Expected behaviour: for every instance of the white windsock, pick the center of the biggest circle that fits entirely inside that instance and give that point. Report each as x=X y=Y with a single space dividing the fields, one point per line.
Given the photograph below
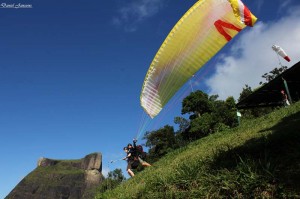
x=281 y=52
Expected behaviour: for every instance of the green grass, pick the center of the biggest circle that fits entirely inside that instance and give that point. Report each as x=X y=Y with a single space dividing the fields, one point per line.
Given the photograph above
x=258 y=159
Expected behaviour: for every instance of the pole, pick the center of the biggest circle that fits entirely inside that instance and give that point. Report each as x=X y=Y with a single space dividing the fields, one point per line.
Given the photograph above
x=287 y=90
x=239 y=115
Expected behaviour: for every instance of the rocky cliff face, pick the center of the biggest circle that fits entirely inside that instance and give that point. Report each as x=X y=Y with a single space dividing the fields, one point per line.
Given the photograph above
x=61 y=179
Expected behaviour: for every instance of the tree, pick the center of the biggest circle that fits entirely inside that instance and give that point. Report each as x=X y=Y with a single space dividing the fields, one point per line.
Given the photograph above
x=182 y=136
x=230 y=117
x=114 y=178
x=230 y=103
x=245 y=92
x=202 y=126
x=272 y=74
x=160 y=142
x=183 y=124
x=213 y=114
x=196 y=104
x=253 y=112
x=116 y=175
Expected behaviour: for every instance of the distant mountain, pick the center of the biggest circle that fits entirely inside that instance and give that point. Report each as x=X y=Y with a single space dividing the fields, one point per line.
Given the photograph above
x=61 y=179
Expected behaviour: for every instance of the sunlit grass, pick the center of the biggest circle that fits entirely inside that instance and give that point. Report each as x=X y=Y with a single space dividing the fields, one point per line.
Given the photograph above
x=258 y=159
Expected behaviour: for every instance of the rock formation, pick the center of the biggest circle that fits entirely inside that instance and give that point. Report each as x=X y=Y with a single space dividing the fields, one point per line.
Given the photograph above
x=61 y=179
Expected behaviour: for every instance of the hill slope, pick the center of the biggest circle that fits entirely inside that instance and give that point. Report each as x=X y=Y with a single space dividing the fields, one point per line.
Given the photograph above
x=258 y=159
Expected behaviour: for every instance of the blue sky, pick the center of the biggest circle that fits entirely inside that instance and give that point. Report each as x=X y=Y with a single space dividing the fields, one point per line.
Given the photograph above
x=71 y=73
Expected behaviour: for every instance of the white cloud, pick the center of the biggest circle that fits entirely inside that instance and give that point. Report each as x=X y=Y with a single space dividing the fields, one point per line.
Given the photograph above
x=255 y=56
x=134 y=13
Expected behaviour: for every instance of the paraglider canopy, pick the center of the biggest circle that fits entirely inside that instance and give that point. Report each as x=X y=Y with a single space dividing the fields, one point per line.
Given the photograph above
x=203 y=30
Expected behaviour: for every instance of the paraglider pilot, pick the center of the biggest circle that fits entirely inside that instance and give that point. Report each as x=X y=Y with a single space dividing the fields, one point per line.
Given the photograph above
x=133 y=158
x=285 y=98
x=130 y=161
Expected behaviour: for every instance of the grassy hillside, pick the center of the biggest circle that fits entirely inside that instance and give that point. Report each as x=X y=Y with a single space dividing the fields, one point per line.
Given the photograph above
x=258 y=159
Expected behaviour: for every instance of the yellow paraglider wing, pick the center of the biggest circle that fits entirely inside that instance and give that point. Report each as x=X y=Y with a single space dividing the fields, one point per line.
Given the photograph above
x=203 y=30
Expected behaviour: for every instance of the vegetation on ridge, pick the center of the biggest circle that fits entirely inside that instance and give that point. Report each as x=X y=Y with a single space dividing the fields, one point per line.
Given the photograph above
x=258 y=159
